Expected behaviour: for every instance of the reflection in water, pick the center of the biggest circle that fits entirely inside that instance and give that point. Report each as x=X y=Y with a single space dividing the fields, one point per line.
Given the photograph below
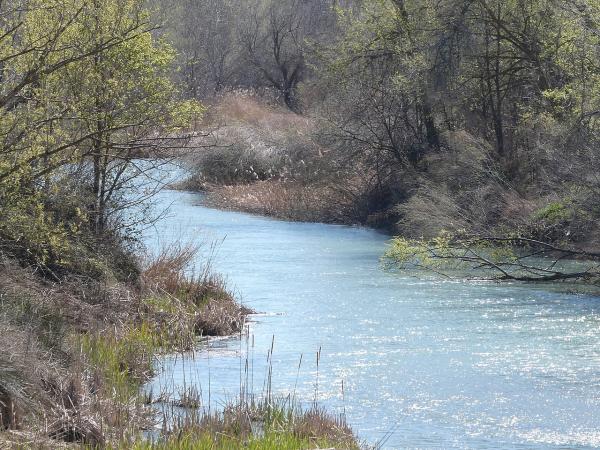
x=440 y=364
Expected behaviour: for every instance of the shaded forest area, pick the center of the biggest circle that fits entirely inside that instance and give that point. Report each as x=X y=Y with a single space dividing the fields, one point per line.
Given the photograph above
x=457 y=117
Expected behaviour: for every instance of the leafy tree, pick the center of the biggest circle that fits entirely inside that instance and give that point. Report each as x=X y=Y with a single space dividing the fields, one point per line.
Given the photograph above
x=83 y=83
x=125 y=100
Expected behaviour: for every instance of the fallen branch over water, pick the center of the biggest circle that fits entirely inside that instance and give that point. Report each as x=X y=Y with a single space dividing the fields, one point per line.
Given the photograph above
x=495 y=258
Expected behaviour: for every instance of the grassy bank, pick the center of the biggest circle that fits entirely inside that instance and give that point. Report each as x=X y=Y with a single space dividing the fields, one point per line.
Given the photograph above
x=87 y=90
x=76 y=351
x=266 y=424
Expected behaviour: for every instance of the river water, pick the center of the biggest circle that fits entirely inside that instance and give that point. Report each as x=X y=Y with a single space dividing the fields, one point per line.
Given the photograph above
x=424 y=363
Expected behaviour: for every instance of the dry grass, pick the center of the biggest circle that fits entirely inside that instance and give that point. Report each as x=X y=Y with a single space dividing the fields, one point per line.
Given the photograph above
x=198 y=302
x=286 y=200
x=75 y=352
x=44 y=399
x=166 y=271
x=21 y=393
x=316 y=423
x=49 y=388
x=256 y=110
x=247 y=138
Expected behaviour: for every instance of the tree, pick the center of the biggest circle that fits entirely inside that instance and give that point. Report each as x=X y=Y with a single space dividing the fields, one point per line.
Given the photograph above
x=38 y=43
x=204 y=32
x=379 y=98
x=83 y=84
x=124 y=99
x=274 y=38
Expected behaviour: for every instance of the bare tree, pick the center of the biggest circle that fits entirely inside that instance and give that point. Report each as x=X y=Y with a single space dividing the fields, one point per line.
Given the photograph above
x=274 y=38
x=205 y=35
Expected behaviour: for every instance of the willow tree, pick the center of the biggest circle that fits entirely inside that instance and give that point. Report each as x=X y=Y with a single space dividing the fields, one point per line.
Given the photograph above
x=503 y=258
x=39 y=133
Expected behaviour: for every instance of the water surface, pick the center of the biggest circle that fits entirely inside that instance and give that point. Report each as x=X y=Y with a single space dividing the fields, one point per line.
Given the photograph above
x=424 y=363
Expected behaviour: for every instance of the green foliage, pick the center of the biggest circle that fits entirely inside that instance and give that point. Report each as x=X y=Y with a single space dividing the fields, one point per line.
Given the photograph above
x=266 y=424
x=84 y=84
x=435 y=254
x=450 y=254
x=124 y=361
x=206 y=441
x=553 y=213
x=492 y=258
x=30 y=232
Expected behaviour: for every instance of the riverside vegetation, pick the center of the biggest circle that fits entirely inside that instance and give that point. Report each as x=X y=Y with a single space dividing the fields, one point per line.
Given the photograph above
x=86 y=90
x=468 y=128
x=472 y=124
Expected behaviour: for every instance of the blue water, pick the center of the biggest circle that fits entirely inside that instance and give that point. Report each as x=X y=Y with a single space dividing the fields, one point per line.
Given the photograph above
x=424 y=363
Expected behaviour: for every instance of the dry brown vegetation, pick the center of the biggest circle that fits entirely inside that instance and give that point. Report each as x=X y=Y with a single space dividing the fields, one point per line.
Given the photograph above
x=202 y=299
x=286 y=200
x=257 y=109
x=247 y=138
x=74 y=351
x=261 y=158
x=44 y=377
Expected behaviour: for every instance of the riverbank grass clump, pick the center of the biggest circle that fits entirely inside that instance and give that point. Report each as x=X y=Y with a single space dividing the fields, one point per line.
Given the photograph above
x=288 y=200
x=200 y=301
x=250 y=424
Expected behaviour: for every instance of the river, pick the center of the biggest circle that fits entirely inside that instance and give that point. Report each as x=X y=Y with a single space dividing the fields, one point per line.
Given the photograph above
x=425 y=363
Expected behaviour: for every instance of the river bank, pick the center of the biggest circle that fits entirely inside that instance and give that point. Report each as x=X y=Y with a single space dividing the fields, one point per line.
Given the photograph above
x=257 y=157
x=77 y=350
x=292 y=200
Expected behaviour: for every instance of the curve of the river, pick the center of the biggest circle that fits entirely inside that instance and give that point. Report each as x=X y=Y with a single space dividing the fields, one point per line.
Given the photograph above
x=424 y=363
